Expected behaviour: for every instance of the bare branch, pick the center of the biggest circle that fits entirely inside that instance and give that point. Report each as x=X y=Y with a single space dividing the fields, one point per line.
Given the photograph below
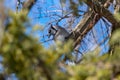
x=47 y=40
x=86 y=23
x=105 y=13
x=28 y=4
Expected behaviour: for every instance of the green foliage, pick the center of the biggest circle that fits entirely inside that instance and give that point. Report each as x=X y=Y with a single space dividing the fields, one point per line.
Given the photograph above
x=115 y=37
x=24 y=55
x=117 y=16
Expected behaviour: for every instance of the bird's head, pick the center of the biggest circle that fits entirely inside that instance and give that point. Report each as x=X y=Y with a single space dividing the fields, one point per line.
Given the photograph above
x=52 y=31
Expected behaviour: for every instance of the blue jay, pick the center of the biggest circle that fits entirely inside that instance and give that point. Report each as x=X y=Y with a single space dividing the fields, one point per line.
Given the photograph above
x=59 y=33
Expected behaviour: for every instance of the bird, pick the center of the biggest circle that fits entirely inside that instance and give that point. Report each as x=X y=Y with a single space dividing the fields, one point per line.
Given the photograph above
x=59 y=33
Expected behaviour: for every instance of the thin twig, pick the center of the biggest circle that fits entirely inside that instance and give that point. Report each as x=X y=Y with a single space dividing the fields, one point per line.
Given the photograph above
x=47 y=41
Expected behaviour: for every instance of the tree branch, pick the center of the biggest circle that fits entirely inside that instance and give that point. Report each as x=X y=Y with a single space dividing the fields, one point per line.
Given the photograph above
x=89 y=21
x=101 y=10
x=28 y=4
